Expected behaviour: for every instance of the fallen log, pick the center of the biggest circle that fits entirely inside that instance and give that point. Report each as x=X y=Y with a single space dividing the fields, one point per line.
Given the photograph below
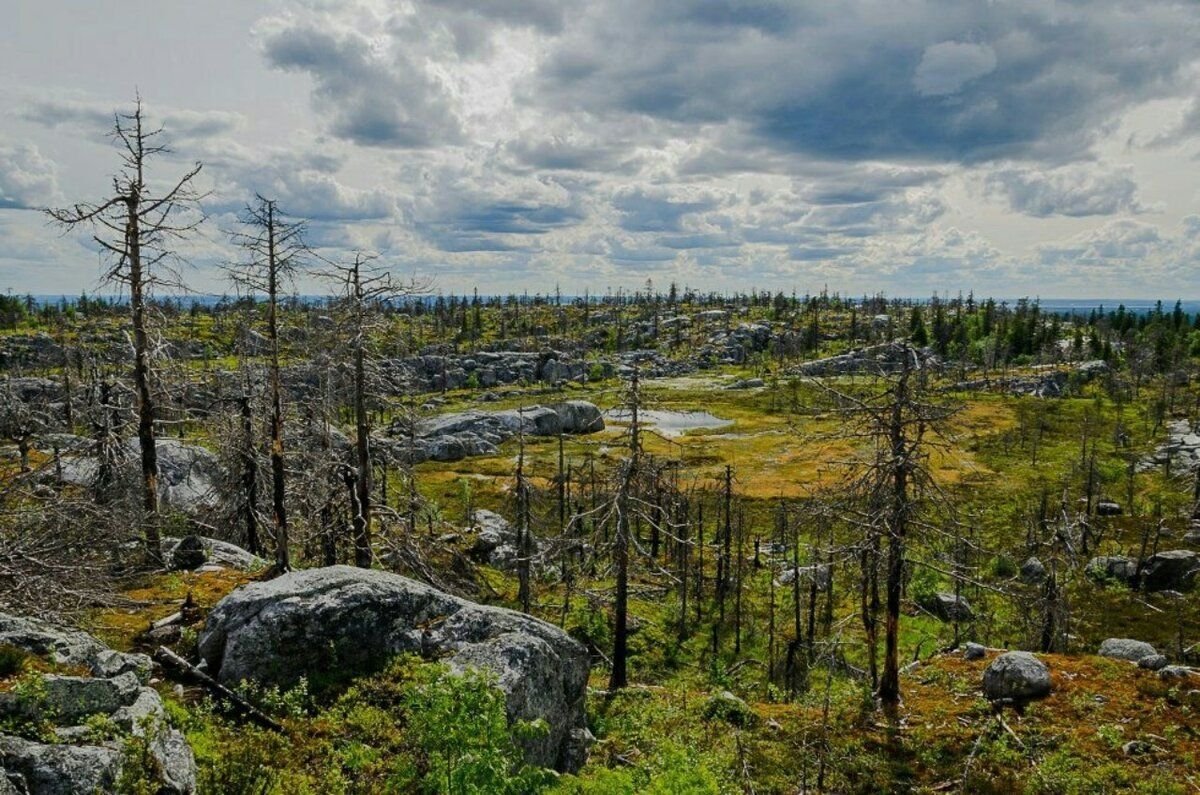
x=172 y=661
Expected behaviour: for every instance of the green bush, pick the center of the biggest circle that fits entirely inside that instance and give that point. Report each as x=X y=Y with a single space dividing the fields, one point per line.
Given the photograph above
x=12 y=660
x=1003 y=567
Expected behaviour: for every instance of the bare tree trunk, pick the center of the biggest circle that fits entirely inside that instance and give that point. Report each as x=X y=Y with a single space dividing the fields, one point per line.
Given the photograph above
x=249 y=476
x=362 y=447
x=889 y=685
x=278 y=504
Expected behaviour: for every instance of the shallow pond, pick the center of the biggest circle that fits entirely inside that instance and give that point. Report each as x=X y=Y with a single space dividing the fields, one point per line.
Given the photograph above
x=671 y=423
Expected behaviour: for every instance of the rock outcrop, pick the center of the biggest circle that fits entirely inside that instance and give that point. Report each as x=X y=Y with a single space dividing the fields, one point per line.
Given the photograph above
x=1172 y=570
x=202 y=550
x=886 y=358
x=452 y=437
x=949 y=607
x=1112 y=567
x=496 y=540
x=188 y=475
x=115 y=687
x=1126 y=649
x=306 y=622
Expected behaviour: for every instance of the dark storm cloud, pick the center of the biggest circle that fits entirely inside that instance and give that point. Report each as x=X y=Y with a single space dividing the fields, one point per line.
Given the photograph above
x=863 y=80
x=459 y=214
x=645 y=210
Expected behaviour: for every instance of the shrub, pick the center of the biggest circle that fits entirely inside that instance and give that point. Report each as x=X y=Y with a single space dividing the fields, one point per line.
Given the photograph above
x=12 y=660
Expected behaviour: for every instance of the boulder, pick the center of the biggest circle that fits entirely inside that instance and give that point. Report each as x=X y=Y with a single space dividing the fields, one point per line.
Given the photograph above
x=71 y=699
x=1126 y=649
x=973 y=651
x=949 y=607
x=1112 y=567
x=815 y=574
x=189 y=554
x=1169 y=672
x=1153 y=662
x=1016 y=676
x=1033 y=572
x=44 y=769
x=1108 y=508
x=579 y=416
x=1173 y=570
x=496 y=540
x=452 y=437
x=221 y=553
x=307 y=622
x=188 y=475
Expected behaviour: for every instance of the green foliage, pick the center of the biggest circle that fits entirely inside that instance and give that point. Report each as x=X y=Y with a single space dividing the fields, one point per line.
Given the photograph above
x=726 y=707
x=141 y=772
x=589 y=624
x=294 y=702
x=30 y=716
x=924 y=585
x=414 y=727
x=12 y=660
x=673 y=771
x=1003 y=567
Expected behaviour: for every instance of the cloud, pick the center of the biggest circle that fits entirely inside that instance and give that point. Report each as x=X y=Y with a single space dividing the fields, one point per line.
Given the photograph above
x=650 y=210
x=1076 y=191
x=933 y=80
x=27 y=179
x=947 y=66
x=374 y=91
x=477 y=209
x=1116 y=244
x=96 y=117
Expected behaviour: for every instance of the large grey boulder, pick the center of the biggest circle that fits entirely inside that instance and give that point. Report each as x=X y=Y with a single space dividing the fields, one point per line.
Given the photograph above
x=311 y=622
x=188 y=554
x=1016 y=676
x=1173 y=570
x=45 y=769
x=1126 y=649
x=949 y=607
x=814 y=574
x=188 y=475
x=71 y=699
x=579 y=416
x=452 y=437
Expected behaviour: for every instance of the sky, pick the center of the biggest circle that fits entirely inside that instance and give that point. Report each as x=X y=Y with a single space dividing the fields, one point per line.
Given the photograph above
x=1006 y=147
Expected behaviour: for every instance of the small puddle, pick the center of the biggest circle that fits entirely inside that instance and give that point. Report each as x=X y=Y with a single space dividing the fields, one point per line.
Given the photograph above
x=670 y=423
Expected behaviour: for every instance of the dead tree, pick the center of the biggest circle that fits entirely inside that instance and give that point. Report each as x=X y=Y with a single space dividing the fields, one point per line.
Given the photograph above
x=365 y=291
x=275 y=252
x=524 y=520
x=895 y=486
x=624 y=507
x=135 y=226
